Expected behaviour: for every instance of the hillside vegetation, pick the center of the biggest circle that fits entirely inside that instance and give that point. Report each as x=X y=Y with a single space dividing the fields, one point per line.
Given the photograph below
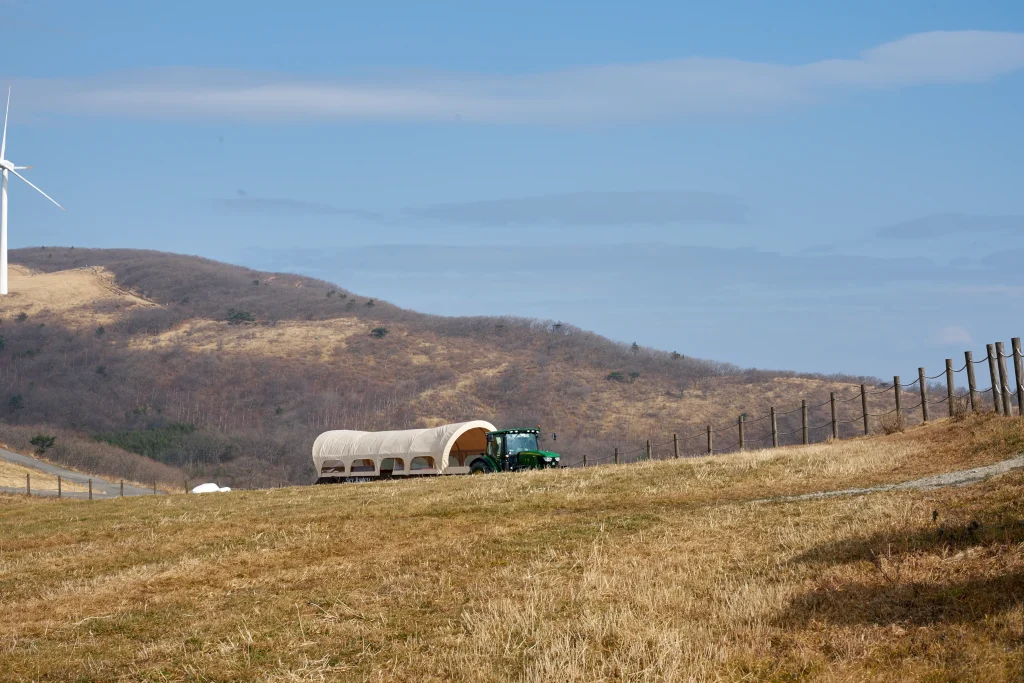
x=233 y=372
x=645 y=572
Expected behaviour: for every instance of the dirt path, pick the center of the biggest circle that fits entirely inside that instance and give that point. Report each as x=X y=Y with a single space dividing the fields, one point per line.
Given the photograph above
x=101 y=488
x=934 y=481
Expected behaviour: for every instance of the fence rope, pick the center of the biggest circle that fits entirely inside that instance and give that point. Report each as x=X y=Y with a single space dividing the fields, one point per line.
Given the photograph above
x=768 y=437
x=788 y=412
x=882 y=414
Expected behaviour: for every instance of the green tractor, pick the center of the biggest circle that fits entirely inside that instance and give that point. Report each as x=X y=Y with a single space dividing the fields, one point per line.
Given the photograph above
x=510 y=450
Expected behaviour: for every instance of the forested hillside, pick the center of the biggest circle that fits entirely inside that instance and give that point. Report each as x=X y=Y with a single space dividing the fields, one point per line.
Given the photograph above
x=225 y=371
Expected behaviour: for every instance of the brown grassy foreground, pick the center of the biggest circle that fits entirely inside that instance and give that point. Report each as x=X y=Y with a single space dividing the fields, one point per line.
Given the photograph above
x=658 y=571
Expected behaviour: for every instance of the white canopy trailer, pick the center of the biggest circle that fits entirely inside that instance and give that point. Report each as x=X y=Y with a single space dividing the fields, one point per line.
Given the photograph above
x=449 y=449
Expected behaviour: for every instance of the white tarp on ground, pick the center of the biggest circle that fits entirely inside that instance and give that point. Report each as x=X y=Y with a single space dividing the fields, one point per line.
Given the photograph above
x=210 y=488
x=437 y=442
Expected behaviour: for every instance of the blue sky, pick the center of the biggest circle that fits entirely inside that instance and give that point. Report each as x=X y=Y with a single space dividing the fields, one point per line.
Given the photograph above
x=786 y=185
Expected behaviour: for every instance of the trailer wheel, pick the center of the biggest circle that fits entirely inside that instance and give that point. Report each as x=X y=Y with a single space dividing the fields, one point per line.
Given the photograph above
x=479 y=467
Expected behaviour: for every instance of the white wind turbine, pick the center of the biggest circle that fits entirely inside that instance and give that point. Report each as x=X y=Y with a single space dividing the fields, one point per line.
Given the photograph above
x=9 y=167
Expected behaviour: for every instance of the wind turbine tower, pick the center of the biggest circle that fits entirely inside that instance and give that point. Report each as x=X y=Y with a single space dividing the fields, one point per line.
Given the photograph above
x=8 y=167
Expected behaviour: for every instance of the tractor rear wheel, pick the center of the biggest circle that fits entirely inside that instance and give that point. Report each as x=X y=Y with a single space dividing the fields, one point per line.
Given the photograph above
x=479 y=467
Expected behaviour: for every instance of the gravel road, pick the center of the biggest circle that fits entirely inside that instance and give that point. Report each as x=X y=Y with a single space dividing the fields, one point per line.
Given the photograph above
x=101 y=488
x=935 y=481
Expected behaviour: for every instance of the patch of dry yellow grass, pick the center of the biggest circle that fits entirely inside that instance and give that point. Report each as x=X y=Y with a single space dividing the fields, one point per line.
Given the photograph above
x=72 y=294
x=651 y=572
x=317 y=341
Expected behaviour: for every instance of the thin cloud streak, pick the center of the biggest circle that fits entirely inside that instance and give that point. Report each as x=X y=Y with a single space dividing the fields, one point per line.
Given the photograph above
x=285 y=206
x=594 y=209
x=942 y=225
x=952 y=335
x=647 y=91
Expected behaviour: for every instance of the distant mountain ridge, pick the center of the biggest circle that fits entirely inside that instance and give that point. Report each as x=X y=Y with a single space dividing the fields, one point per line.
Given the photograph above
x=259 y=363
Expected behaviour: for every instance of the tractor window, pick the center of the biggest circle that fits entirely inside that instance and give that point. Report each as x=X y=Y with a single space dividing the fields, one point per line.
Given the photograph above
x=494 y=446
x=518 y=443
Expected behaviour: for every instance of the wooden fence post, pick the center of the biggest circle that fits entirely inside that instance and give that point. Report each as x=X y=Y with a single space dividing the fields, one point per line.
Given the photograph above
x=675 y=446
x=1004 y=380
x=835 y=422
x=972 y=385
x=648 y=451
x=28 y=484
x=864 y=406
x=949 y=385
x=739 y=423
x=154 y=487
x=121 y=494
x=186 y=486
x=1018 y=372
x=923 y=382
x=584 y=459
x=90 y=488
x=59 y=492
x=711 y=440
x=803 y=419
x=899 y=404
x=994 y=373
x=616 y=456
x=775 y=430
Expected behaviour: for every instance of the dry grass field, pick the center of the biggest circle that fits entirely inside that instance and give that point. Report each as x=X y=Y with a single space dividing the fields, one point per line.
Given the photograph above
x=664 y=570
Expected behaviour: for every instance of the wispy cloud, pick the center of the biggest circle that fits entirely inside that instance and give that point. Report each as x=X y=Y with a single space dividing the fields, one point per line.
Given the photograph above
x=605 y=93
x=594 y=209
x=942 y=225
x=952 y=335
x=244 y=203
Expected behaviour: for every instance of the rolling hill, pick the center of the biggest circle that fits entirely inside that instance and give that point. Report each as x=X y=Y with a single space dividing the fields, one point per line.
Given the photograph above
x=222 y=371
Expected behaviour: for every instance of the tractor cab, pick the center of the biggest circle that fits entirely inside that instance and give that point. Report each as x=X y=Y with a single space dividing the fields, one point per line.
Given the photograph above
x=514 y=449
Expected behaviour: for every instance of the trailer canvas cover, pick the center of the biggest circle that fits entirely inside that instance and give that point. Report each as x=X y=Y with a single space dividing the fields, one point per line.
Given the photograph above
x=438 y=443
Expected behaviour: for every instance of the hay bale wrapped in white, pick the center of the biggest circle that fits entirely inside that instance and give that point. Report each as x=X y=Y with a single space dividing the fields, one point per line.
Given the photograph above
x=210 y=488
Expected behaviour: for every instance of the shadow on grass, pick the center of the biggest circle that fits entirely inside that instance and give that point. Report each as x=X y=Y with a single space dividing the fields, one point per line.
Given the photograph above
x=915 y=603
x=887 y=597
x=939 y=538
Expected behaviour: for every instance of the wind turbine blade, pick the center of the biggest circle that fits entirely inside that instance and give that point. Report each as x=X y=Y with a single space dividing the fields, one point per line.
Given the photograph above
x=38 y=190
x=3 y=145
